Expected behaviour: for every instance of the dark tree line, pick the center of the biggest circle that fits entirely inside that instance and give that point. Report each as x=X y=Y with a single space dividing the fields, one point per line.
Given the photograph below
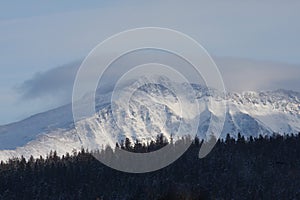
x=258 y=168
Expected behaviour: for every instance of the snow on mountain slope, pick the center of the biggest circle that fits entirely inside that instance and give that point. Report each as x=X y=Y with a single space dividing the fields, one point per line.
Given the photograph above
x=278 y=111
x=153 y=109
x=20 y=133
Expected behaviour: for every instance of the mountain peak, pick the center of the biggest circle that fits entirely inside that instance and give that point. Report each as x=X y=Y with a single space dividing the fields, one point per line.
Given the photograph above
x=154 y=109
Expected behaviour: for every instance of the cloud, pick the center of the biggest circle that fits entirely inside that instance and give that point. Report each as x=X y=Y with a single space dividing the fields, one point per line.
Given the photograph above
x=247 y=74
x=238 y=75
x=55 y=83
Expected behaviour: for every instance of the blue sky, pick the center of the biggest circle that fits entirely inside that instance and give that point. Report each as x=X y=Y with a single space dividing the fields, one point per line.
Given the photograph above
x=41 y=39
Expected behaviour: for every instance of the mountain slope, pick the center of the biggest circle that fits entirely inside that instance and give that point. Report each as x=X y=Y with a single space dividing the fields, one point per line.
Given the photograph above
x=153 y=109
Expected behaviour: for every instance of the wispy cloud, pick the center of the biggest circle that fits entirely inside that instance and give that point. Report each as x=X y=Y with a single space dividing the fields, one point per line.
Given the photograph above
x=54 y=83
x=238 y=75
x=247 y=74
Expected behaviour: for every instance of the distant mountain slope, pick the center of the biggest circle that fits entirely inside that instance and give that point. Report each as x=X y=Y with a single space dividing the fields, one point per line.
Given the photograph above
x=153 y=109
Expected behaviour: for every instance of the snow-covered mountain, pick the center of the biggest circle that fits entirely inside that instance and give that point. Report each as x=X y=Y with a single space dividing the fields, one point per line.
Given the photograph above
x=153 y=109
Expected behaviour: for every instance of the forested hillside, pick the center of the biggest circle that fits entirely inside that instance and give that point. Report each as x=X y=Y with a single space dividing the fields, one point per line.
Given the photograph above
x=261 y=168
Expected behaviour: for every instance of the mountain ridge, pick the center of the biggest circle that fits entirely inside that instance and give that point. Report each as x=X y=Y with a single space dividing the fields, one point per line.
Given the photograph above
x=249 y=113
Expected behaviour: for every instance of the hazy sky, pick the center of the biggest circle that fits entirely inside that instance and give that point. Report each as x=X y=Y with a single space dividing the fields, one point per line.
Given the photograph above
x=255 y=43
